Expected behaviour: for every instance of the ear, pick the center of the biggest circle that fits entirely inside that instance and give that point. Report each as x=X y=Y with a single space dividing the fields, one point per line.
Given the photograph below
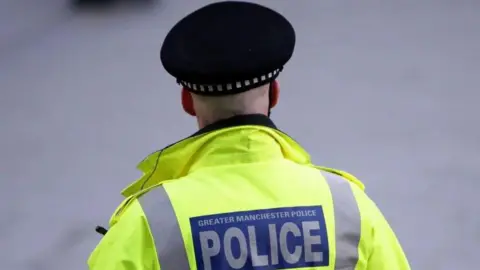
x=187 y=102
x=274 y=94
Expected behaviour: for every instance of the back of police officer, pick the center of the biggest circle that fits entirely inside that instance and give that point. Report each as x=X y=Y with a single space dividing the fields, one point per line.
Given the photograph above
x=239 y=193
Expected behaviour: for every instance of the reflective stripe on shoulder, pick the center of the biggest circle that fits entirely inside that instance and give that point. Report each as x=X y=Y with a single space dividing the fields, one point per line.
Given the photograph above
x=165 y=229
x=347 y=221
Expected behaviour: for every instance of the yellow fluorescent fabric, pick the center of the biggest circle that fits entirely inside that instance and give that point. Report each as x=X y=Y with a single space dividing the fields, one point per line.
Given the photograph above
x=128 y=245
x=243 y=168
x=253 y=186
x=379 y=244
x=177 y=159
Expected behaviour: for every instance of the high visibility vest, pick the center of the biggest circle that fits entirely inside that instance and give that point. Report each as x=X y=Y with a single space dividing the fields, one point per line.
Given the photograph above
x=243 y=195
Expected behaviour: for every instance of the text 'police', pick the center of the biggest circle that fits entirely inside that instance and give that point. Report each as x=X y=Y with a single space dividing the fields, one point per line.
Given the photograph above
x=261 y=239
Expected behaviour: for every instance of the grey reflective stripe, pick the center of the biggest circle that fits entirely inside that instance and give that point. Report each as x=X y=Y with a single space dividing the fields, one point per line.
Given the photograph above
x=347 y=221
x=165 y=229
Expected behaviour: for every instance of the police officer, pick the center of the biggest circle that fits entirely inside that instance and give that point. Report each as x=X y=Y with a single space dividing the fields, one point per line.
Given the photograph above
x=239 y=193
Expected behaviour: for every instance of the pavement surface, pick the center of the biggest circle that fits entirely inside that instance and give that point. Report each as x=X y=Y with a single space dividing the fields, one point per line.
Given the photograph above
x=387 y=90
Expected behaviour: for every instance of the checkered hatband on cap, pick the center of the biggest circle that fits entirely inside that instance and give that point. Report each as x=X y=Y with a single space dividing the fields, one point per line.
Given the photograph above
x=230 y=88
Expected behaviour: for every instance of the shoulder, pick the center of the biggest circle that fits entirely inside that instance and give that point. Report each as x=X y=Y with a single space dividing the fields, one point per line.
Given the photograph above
x=340 y=176
x=127 y=242
x=375 y=230
x=346 y=182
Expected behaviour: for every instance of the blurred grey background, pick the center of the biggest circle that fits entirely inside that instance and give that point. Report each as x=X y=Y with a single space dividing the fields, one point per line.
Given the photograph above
x=387 y=90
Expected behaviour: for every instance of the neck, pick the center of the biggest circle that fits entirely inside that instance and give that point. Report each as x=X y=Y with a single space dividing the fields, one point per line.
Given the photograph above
x=206 y=121
x=238 y=120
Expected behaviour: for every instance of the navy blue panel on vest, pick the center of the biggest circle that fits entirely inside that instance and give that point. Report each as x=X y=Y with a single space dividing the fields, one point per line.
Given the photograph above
x=279 y=238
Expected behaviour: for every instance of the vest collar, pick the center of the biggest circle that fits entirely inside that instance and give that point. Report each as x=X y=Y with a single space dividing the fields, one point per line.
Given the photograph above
x=174 y=160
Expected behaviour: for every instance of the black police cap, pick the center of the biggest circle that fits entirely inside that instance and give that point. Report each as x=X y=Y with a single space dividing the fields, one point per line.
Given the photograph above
x=227 y=48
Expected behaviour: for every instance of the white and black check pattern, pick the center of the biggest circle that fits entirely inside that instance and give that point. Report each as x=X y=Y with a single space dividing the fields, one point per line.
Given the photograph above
x=205 y=88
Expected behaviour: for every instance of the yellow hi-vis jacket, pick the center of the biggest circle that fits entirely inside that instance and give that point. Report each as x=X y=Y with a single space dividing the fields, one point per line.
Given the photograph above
x=240 y=194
